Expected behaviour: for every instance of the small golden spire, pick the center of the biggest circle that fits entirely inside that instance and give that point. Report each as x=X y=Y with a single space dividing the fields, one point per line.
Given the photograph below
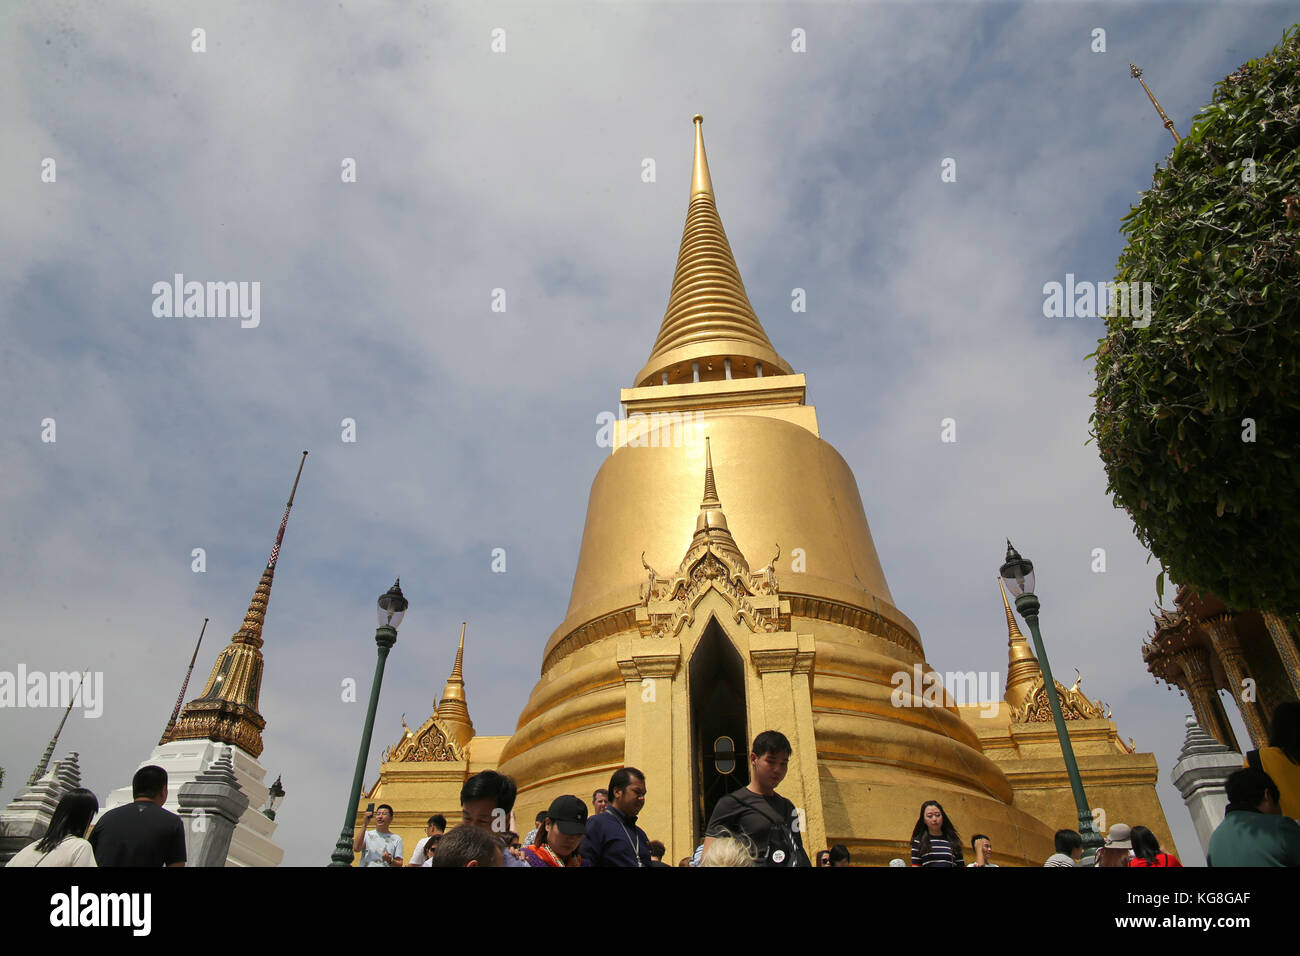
x=709 y=318
x=227 y=711
x=701 y=184
x=1022 y=667
x=457 y=669
x=711 y=524
x=1136 y=73
x=710 y=486
x=453 y=710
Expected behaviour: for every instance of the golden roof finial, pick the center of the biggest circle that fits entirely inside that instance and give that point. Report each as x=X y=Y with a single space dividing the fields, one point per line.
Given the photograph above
x=226 y=711
x=1136 y=73
x=701 y=184
x=1022 y=667
x=453 y=709
x=711 y=524
x=457 y=669
x=709 y=318
x=711 y=501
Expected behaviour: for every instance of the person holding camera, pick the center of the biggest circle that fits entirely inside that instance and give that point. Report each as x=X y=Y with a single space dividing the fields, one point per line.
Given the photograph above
x=380 y=846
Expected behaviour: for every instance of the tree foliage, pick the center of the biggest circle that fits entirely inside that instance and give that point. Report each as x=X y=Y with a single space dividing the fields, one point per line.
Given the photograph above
x=1198 y=415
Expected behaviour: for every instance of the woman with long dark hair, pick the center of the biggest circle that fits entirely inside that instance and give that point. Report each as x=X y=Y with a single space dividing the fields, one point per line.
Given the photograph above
x=64 y=843
x=1281 y=760
x=1147 y=852
x=934 y=839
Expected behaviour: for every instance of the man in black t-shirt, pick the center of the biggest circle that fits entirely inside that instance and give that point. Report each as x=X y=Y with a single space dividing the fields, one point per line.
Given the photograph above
x=141 y=833
x=768 y=820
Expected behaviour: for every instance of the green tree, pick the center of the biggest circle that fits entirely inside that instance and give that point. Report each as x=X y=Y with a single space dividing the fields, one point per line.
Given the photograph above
x=1198 y=414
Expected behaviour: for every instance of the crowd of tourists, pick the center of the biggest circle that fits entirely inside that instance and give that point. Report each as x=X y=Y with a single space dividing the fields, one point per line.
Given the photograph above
x=751 y=826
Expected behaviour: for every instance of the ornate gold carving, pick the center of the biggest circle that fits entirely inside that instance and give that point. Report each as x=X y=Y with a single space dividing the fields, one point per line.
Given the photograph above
x=1074 y=705
x=429 y=743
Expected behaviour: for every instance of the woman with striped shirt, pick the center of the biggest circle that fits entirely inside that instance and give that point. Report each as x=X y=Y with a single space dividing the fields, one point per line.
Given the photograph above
x=934 y=839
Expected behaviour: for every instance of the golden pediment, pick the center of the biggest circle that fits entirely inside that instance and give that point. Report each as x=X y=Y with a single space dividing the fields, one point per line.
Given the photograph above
x=670 y=602
x=1074 y=705
x=430 y=743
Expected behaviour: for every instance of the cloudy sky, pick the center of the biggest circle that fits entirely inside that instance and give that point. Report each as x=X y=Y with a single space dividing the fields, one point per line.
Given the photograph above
x=476 y=429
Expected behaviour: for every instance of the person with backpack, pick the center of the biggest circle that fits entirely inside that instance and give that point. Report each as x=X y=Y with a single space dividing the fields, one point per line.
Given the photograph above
x=768 y=820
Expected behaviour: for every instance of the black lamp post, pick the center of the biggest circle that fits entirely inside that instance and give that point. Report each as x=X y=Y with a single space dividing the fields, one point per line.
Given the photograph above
x=392 y=607
x=1019 y=576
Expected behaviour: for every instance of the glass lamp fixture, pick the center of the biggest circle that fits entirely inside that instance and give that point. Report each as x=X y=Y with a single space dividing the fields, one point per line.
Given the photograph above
x=1018 y=573
x=273 y=797
x=392 y=606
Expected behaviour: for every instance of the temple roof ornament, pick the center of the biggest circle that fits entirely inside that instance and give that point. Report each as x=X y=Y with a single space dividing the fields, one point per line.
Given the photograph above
x=226 y=711
x=713 y=562
x=1074 y=704
x=709 y=318
x=429 y=742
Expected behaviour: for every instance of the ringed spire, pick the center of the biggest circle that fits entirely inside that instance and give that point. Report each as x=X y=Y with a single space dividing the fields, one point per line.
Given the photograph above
x=227 y=709
x=710 y=331
x=453 y=709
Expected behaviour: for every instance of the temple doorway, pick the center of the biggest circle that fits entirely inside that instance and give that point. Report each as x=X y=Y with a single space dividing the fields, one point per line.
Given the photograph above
x=719 y=741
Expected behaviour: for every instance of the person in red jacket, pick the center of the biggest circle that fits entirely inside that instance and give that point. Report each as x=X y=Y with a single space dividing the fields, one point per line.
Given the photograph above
x=1146 y=850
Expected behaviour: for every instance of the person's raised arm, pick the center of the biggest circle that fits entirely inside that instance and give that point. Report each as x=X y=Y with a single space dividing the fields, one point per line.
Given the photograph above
x=360 y=840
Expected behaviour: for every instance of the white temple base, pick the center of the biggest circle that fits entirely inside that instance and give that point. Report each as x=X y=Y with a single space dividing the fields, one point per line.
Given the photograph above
x=253 y=843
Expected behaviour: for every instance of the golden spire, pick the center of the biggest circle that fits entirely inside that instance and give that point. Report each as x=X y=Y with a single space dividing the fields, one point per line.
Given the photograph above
x=1136 y=73
x=711 y=525
x=701 y=184
x=453 y=710
x=710 y=487
x=709 y=318
x=226 y=711
x=1022 y=666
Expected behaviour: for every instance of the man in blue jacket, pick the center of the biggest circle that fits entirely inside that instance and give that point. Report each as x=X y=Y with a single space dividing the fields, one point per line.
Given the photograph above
x=613 y=838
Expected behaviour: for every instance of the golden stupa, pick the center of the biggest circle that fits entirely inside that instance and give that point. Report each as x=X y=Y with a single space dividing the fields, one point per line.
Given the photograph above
x=727 y=584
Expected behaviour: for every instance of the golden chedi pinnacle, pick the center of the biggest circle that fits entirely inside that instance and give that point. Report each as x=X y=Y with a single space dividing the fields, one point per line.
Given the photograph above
x=1023 y=671
x=226 y=711
x=711 y=525
x=453 y=709
x=710 y=326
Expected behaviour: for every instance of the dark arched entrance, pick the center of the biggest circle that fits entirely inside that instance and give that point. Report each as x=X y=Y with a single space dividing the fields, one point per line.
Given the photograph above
x=719 y=741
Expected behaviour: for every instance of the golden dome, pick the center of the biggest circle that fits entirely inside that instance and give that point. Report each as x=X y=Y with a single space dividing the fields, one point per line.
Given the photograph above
x=782 y=485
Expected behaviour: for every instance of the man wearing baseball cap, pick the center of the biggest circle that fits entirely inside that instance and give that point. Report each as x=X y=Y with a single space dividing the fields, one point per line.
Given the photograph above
x=560 y=835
